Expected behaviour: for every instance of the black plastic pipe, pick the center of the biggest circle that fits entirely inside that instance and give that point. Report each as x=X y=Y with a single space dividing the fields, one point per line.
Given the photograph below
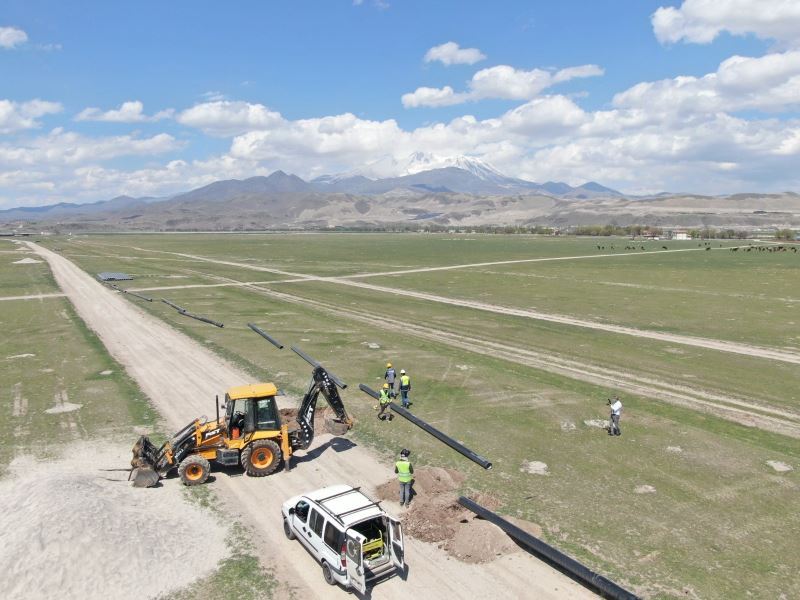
x=203 y=319
x=137 y=295
x=315 y=364
x=579 y=571
x=458 y=447
x=266 y=336
x=180 y=309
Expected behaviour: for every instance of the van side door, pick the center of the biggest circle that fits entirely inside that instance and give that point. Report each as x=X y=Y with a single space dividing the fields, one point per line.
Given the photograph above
x=396 y=545
x=355 y=560
x=314 y=534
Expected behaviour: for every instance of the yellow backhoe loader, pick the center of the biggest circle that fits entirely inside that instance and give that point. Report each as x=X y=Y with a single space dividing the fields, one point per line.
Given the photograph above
x=250 y=433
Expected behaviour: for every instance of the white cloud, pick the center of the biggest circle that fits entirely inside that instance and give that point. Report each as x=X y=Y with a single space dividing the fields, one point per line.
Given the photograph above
x=770 y=83
x=128 y=112
x=11 y=37
x=501 y=81
x=16 y=116
x=426 y=96
x=451 y=53
x=701 y=21
x=61 y=147
x=225 y=117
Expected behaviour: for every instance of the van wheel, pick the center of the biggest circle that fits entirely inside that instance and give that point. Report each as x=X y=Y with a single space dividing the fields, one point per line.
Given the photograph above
x=287 y=530
x=261 y=458
x=327 y=574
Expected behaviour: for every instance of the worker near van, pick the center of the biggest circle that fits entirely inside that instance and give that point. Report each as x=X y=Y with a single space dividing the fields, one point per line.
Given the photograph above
x=616 y=411
x=390 y=377
x=405 y=475
x=384 y=399
x=405 y=387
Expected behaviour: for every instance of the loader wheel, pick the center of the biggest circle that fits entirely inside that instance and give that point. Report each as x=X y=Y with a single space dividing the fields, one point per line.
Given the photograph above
x=194 y=470
x=261 y=458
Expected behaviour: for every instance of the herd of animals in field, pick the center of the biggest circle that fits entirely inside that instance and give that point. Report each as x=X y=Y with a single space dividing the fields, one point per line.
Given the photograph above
x=707 y=246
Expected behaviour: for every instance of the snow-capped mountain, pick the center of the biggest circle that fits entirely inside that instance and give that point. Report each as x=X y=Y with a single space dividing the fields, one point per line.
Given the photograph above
x=417 y=162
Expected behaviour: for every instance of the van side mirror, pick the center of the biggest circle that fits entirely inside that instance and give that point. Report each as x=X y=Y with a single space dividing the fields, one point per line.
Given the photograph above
x=291 y=511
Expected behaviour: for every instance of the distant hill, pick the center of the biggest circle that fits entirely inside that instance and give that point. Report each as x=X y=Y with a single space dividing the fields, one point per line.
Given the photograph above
x=456 y=192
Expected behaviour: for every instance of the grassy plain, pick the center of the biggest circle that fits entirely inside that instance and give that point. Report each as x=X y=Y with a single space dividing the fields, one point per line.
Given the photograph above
x=684 y=503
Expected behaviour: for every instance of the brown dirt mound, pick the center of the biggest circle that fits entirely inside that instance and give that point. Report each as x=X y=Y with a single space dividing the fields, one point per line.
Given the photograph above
x=436 y=516
x=324 y=420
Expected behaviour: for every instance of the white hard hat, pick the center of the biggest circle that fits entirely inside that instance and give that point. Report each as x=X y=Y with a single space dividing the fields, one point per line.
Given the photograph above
x=402 y=371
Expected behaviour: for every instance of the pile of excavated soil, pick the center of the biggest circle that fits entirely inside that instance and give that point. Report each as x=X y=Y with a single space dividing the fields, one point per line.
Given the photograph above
x=324 y=420
x=69 y=529
x=436 y=516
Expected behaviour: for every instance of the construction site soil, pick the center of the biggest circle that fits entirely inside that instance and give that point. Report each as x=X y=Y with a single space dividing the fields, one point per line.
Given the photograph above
x=435 y=516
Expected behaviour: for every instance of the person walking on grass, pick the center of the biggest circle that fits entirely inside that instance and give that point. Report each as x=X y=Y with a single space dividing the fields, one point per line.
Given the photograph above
x=390 y=377
x=616 y=411
x=405 y=476
x=405 y=387
x=384 y=399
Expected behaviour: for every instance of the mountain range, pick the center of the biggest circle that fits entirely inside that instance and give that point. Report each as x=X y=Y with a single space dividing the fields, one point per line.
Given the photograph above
x=419 y=173
x=419 y=190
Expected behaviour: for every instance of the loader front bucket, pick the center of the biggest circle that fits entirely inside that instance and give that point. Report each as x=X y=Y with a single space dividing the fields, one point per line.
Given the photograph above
x=143 y=471
x=144 y=477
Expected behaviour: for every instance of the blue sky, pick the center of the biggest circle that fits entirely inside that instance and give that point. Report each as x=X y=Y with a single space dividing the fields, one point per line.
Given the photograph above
x=151 y=98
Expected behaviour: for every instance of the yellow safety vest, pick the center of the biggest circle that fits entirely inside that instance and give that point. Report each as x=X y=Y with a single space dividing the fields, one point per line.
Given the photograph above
x=403 y=470
x=405 y=382
x=384 y=399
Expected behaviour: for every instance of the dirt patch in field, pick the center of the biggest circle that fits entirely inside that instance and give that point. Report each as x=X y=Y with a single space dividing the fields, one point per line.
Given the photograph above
x=779 y=466
x=436 y=516
x=70 y=528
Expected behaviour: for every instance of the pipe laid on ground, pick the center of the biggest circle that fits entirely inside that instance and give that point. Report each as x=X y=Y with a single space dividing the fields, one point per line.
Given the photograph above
x=458 y=447
x=581 y=572
x=186 y=313
x=180 y=309
x=203 y=319
x=315 y=364
x=266 y=336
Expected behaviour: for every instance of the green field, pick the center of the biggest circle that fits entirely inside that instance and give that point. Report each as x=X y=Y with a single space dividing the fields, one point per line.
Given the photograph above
x=684 y=503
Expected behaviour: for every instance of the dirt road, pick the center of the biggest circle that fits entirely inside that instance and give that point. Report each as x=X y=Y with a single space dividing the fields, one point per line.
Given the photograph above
x=181 y=377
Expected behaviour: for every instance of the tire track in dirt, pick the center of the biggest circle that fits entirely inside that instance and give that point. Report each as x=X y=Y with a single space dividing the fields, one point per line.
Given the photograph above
x=180 y=376
x=741 y=411
x=31 y=297
x=672 y=338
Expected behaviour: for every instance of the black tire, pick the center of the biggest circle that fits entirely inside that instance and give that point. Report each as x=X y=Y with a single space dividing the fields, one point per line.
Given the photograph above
x=327 y=574
x=194 y=470
x=287 y=530
x=261 y=458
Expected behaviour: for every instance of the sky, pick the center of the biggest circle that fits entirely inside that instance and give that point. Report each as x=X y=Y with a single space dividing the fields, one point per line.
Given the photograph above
x=147 y=98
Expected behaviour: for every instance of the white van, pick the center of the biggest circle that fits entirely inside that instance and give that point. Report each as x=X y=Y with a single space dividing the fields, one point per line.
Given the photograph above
x=349 y=534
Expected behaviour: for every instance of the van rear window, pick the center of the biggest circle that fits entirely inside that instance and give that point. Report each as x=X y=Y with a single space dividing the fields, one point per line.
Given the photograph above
x=316 y=522
x=332 y=537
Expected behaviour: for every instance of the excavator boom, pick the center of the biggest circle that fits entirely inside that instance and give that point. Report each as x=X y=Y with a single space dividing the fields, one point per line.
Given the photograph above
x=323 y=383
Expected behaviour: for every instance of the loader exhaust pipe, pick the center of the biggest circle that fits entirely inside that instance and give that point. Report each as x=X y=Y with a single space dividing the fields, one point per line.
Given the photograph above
x=579 y=571
x=442 y=437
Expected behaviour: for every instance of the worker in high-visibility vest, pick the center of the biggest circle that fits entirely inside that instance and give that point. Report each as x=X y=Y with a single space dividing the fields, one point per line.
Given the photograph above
x=405 y=387
x=384 y=399
x=390 y=377
x=405 y=475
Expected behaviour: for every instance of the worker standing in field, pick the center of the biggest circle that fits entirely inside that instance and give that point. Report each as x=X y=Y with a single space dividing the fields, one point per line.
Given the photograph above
x=616 y=412
x=384 y=400
x=390 y=377
x=405 y=473
x=405 y=387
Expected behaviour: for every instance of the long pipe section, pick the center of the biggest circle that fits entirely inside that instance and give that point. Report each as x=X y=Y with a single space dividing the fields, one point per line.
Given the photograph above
x=581 y=572
x=315 y=364
x=265 y=335
x=458 y=447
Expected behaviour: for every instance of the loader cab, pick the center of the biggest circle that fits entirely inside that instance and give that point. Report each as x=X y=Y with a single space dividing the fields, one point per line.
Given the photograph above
x=250 y=408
